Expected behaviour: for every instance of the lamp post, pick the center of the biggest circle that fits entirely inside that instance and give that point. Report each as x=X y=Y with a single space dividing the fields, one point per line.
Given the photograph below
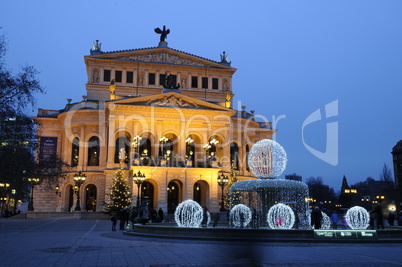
x=32 y=182
x=79 y=179
x=4 y=186
x=136 y=144
x=222 y=182
x=138 y=180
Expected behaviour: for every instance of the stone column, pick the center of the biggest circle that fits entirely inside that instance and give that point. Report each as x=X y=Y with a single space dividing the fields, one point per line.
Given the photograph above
x=146 y=78
x=101 y=75
x=83 y=146
x=124 y=77
x=112 y=143
x=135 y=77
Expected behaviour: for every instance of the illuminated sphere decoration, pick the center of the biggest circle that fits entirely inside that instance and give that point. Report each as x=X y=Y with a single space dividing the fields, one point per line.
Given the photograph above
x=240 y=216
x=357 y=218
x=280 y=216
x=188 y=214
x=325 y=221
x=267 y=159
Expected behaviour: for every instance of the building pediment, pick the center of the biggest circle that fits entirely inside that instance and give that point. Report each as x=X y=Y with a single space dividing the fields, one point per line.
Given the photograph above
x=159 y=55
x=170 y=100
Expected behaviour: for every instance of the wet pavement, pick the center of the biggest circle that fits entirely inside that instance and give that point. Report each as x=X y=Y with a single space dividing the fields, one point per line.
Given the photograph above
x=69 y=242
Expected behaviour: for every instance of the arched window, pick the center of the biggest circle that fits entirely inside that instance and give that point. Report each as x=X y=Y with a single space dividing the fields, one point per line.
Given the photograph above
x=122 y=142
x=75 y=152
x=166 y=151
x=93 y=151
x=145 y=148
x=197 y=193
x=190 y=149
x=147 y=194
x=234 y=155
x=90 y=197
x=173 y=192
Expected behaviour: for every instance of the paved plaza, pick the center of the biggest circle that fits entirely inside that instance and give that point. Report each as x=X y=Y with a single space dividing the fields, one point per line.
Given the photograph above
x=69 y=242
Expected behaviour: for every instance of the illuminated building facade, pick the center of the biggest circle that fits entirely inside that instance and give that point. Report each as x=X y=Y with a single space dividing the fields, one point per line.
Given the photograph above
x=168 y=113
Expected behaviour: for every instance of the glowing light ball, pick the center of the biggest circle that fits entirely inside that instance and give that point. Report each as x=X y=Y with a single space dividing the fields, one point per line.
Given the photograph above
x=188 y=214
x=240 y=216
x=280 y=216
x=325 y=221
x=357 y=218
x=267 y=159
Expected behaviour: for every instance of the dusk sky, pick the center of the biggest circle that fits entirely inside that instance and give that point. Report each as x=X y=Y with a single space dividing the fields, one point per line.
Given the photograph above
x=292 y=58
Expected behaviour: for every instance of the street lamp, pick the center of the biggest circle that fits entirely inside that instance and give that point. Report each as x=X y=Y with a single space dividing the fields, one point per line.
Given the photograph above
x=58 y=190
x=138 y=180
x=32 y=182
x=79 y=179
x=222 y=182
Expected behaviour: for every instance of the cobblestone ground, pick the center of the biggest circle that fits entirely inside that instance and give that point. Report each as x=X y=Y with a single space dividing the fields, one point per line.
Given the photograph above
x=67 y=242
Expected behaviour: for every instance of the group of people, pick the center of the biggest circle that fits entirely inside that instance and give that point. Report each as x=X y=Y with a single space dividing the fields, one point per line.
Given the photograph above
x=141 y=215
x=376 y=218
x=316 y=218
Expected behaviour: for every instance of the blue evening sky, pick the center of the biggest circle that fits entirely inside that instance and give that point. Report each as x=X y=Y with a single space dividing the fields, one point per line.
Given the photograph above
x=293 y=57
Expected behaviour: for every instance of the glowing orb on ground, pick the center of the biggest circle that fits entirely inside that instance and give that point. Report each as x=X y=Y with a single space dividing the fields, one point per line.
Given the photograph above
x=188 y=214
x=357 y=218
x=267 y=159
x=280 y=216
x=240 y=216
x=325 y=221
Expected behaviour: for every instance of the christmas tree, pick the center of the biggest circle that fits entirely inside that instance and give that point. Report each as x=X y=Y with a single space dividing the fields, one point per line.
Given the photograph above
x=120 y=194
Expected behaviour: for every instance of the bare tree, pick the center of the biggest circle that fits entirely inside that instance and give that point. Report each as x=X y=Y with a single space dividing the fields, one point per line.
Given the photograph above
x=385 y=174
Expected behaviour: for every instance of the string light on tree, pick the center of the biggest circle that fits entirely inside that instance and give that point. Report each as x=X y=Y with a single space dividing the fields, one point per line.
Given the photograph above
x=188 y=214
x=358 y=218
x=280 y=216
x=240 y=216
x=120 y=194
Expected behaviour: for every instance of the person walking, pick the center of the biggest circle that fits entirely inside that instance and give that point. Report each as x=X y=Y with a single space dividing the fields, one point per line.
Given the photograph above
x=154 y=214
x=334 y=220
x=379 y=217
x=391 y=218
x=123 y=218
x=216 y=219
x=204 y=222
x=160 y=214
x=316 y=218
x=114 y=222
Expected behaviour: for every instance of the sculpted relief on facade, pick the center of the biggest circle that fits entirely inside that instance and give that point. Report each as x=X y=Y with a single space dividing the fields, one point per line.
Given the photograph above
x=163 y=57
x=171 y=101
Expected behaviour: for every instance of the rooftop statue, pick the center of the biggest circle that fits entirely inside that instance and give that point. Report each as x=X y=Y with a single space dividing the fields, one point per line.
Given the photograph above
x=224 y=58
x=96 y=46
x=163 y=33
